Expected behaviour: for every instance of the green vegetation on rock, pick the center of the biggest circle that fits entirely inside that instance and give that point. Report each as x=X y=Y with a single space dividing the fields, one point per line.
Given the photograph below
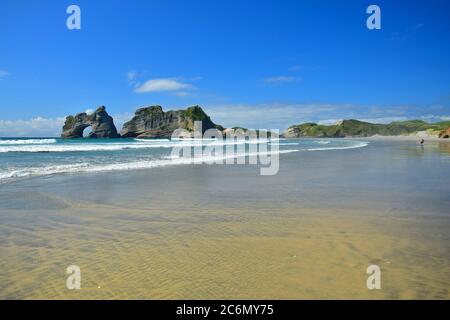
x=153 y=122
x=195 y=113
x=356 y=128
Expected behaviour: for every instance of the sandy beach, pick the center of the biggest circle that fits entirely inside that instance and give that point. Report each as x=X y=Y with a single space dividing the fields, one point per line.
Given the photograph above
x=222 y=232
x=406 y=138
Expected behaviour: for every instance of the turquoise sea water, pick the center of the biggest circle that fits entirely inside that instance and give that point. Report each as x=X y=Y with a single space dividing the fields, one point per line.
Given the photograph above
x=28 y=157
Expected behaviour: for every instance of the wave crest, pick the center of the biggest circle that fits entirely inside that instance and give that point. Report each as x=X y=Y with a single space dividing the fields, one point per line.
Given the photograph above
x=27 y=141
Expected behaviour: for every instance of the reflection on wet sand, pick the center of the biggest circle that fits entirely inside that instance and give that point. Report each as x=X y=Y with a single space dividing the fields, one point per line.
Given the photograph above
x=133 y=254
x=444 y=147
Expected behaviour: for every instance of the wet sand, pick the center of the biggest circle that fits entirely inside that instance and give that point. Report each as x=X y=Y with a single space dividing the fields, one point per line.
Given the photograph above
x=224 y=232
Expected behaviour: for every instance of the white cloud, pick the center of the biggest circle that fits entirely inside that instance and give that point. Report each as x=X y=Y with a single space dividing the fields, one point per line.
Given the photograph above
x=36 y=127
x=3 y=74
x=163 y=85
x=280 y=79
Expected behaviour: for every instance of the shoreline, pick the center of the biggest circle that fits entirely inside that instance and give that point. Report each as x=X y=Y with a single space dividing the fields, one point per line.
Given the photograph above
x=402 y=138
x=379 y=138
x=222 y=232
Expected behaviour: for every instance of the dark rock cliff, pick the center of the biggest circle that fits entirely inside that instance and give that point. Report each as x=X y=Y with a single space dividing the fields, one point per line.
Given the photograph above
x=153 y=122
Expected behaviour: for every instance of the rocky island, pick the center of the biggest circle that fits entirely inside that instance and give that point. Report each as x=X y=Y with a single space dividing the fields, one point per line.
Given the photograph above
x=101 y=123
x=153 y=122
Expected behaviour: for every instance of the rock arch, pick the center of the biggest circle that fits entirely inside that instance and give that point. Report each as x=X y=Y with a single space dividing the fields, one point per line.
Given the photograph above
x=101 y=123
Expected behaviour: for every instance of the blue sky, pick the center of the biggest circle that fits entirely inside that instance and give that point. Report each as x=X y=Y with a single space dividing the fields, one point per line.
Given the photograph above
x=260 y=64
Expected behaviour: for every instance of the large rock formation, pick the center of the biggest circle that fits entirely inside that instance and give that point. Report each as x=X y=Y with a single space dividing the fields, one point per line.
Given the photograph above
x=101 y=123
x=153 y=122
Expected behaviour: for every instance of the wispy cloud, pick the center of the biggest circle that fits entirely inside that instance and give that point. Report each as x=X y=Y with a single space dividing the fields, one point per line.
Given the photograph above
x=3 y=74
x=131 y=75
x=181 y=93
x=407 y=34
x=280 y=79
x=418 y=26
x=295 y=68
x=268 y=116
x=385 y=120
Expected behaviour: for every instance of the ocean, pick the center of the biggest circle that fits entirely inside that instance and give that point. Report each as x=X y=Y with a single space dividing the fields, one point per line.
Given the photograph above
x=30 y=157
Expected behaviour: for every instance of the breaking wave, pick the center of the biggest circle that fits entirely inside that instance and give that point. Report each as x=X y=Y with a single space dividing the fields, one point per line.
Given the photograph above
x=357 y=145
x=86 y=167
x=322 y=141
x=140 y=144
x=27 y=141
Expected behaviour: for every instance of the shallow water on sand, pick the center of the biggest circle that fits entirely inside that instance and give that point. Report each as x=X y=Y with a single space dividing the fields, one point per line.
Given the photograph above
x=219 y=232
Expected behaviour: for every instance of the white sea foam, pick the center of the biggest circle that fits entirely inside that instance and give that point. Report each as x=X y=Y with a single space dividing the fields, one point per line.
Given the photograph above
x=150 y=140
x=74 y=147
x=289 y=143
x=322 y=141
x=80 y=147
x=134 y=165
x=87 y=147
x=27 y=141
x=193 y=139
x=354 y=146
